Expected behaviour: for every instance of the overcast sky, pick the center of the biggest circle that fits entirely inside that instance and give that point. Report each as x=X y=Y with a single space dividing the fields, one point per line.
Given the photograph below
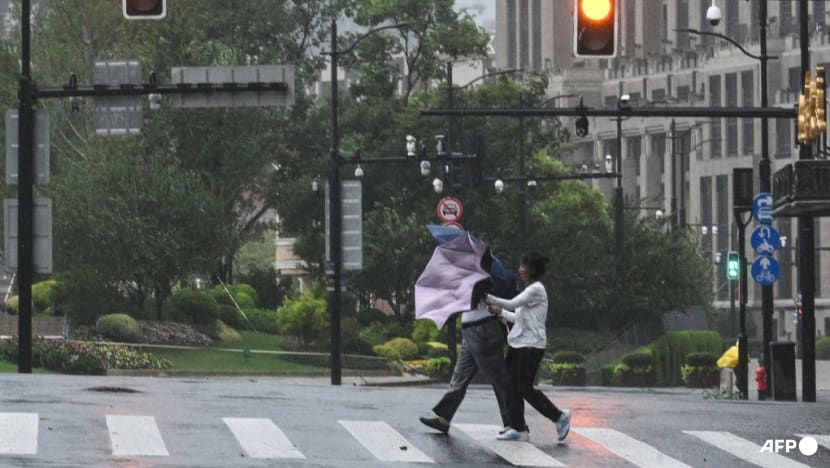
x=488 y=6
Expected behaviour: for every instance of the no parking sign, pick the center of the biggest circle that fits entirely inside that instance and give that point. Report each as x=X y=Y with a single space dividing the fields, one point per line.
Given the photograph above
x=450 y=209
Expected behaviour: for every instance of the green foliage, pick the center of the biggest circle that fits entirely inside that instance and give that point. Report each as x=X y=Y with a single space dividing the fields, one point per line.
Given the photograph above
x=670 y=352
x=439 y=367
x=192 y=306
x=703 y=359
x=823 y=348
x=119 y=327
x=263 y=320
x=43 y=293
x=425 y=330
x=397 y=349
x=249 y=291
x=370 y=315
x=305 y=318
x=225 y=333
x=723 y=394
x=437 y=349
x=264 y=280
x=13 y=305
x=567 y=373
x=568 y=357
x=638 y=359
x=230 y=316
x=581 y=341
x=242 y=295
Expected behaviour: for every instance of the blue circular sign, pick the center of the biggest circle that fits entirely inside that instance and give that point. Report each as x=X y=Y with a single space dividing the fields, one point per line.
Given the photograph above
x=765 y=270
x=765 y=239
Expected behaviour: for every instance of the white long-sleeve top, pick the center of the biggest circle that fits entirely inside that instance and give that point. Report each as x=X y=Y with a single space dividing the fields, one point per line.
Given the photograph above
x=527 y=312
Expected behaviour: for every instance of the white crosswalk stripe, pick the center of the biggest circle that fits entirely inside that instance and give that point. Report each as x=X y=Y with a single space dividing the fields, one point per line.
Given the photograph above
x=135 y=436
x=745 y=450
x=822 y=439
x=385 y=443
x=517 y=453
x=261 y=438
x=627 y=447
x=18 y=433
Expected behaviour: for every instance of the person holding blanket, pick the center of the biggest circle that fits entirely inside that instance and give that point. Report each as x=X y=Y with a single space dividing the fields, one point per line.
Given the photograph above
x=527 y=342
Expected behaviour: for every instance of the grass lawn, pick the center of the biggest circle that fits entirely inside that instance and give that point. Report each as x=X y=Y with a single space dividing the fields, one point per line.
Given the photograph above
x=212 y=360
x=255 y=340
x=8 y=367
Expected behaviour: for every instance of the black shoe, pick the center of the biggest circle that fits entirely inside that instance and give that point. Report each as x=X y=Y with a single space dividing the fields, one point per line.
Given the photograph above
x=438 y=423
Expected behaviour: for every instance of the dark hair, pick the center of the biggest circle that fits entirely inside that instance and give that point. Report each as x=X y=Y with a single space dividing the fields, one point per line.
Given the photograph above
x=535 y=264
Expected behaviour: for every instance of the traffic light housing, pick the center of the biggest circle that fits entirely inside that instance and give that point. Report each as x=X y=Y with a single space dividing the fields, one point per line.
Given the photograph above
x=812 y=121
x=144 y=9
x=595 y=28
x=733 y=265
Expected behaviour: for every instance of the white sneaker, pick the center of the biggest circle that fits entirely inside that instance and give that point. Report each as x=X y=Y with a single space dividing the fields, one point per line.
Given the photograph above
x=514 y=435
x=563 y=425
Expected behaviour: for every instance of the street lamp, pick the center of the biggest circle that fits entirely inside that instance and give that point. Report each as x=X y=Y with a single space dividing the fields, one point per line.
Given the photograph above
x=609 y=163
x=713 y=14
x=335 y=218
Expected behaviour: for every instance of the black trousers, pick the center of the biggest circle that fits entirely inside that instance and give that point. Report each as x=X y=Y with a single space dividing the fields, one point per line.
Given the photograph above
x=522 y=364
x=482 y=349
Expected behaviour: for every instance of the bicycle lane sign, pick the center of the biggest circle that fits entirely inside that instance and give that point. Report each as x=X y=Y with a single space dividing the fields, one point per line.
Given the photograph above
x=765 y=270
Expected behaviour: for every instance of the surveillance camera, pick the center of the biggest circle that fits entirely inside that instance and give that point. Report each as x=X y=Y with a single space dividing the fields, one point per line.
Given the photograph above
x=713 y=15
x=625 y=100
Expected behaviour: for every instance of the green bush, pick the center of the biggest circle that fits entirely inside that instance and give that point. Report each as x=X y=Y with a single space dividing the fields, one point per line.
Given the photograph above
x=701 y=359
x=370 y=315
x=567 y=373
x=609 y=375
x=305 y=318
x=568 y=357
x=231 y=317
x=241 y=295
x=397 y=348
x=670 y=351
x=192 y=306
x=13 y=305
x=263 y=320
x=437 y=349
x=823 y=348
x=43 y=293
x=581 y=341
x=425 y=330
x=119 y=327
x=248 y=290
x=225 y=333
x=638 y=359
x=439 y=367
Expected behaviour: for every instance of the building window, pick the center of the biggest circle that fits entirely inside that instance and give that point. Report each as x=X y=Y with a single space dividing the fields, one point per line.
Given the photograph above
x=512 y=27
x=658 y=96
x=783 y=139
x=715 y=140
x=785 y=258
x=748 y=100
x=611 y=102
x=732 y=19
x=682 y=93
x=633 y=151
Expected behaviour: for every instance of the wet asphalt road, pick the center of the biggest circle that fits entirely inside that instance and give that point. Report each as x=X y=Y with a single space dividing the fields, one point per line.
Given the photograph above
x=72 y=422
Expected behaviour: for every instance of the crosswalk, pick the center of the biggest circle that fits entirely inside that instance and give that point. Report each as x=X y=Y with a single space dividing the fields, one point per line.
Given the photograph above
x=262 y=438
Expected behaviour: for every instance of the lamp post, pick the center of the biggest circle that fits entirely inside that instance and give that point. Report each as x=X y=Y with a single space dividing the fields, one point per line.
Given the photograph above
x=622 y=104
x=335 y=208
x=764 y=164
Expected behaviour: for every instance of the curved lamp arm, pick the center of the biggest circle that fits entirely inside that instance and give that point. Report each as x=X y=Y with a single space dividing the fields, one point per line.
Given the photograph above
x=488 y=75
x=365 y=35
x=727 y=39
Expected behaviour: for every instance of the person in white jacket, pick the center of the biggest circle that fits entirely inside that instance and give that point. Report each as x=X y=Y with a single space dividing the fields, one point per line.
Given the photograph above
x=527 y=342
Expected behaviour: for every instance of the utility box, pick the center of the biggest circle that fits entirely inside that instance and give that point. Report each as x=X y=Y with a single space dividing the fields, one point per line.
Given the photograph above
x=783 y=370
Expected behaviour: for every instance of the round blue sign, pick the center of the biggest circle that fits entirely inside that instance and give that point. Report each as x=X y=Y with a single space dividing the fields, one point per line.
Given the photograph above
x=765 y=270
x=765 y=239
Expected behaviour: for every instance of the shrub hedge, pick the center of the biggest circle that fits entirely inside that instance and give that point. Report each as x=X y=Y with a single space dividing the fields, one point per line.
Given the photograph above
x=823 y=348
x=670 y=350
x=397 y=348
x=568 y=357
x=190 y=305
x=119 y=327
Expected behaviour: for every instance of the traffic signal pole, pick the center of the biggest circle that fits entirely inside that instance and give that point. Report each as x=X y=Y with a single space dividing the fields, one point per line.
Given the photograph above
x=25 y=195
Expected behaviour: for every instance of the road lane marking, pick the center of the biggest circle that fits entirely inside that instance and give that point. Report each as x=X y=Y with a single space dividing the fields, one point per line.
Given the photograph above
x=385 y=443
x=261 y=438
x=745 y=450
x=517 y=453
x=135 y=436
x=18 y=433
x=822 y=439
x=633 y=450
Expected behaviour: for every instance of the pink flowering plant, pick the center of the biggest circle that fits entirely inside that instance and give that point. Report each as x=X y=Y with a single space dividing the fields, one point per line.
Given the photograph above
x=77 y=357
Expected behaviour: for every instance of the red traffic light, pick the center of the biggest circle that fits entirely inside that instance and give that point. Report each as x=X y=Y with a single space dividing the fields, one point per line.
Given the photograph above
x=144 y=9
x=595 y=28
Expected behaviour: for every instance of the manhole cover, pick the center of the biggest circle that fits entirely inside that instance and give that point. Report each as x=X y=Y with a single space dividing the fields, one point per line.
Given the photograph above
x=113 y=389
